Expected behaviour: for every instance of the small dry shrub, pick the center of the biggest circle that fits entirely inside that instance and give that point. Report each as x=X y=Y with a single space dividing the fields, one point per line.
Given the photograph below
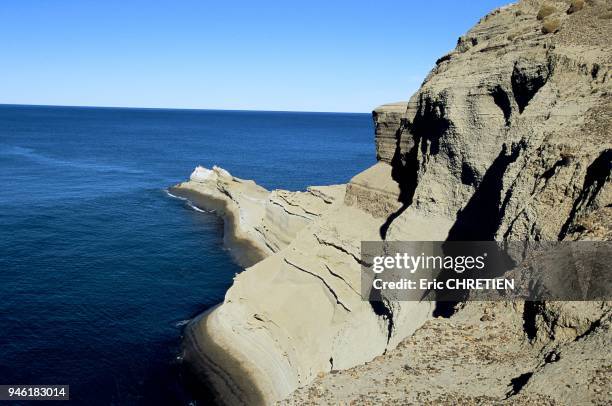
x=606 y=16
x=545 y=11
x=551 y=25
x=575 y=5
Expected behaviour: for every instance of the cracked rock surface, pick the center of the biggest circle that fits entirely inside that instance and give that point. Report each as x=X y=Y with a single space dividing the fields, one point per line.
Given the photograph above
x=482 y=355
x=508 y=138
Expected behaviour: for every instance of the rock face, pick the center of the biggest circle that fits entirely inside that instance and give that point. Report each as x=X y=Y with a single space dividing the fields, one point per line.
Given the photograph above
x=295 y=314
x=503 y=131
x=508 y=138
x=388 y=120
x=257 y=222
x=482 y=355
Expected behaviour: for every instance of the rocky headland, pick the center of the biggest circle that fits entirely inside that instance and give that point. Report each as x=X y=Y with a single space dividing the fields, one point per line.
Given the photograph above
x=508 y=138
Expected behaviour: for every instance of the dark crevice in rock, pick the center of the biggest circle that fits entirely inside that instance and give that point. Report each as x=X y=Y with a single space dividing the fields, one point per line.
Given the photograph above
x=445 y=309
x=331 y=244
x=469 y=176
x=290 y=213
x=530 y=313
x=341 y=278
x=564 y=161
x=527 y=79
x=550 y=172
x=327 y=285
x=518 y=383
x=595 y=71
x=430 y=124
x=480 y=218
x=446 y=302
x=551 y=357
x=598 y=173
x=381 y=310
x=591 y=328
x=501 y=99
x=443 y=58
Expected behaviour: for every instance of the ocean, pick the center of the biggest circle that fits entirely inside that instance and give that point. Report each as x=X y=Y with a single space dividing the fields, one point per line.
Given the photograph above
x=100 y=268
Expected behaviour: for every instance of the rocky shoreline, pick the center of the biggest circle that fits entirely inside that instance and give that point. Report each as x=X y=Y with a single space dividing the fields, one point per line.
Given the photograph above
x=507 y=139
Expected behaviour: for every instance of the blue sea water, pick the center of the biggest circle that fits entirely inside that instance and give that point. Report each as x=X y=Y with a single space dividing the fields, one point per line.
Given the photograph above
x=99 y=267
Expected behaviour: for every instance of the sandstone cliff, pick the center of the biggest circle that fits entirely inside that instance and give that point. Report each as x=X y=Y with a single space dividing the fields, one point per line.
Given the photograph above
x=508 y=138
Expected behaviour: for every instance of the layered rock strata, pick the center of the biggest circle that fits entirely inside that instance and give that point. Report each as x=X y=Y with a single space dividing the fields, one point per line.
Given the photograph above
x=508 y=138
x=293 y=315
x=258 y=222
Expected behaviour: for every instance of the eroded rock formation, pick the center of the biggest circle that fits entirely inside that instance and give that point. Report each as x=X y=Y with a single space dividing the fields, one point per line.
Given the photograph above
x=508 y=138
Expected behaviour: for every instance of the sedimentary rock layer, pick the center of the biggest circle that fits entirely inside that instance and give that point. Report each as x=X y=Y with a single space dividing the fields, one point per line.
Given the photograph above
x=258 y=222
x=294 y=314
x=507 y=138
x=510 y=136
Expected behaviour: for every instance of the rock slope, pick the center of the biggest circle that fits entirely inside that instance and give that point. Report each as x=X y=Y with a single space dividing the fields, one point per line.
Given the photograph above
x=296 y=313
x=258 y=222
x=508 y=138
x=510 y=131
x=482 y=355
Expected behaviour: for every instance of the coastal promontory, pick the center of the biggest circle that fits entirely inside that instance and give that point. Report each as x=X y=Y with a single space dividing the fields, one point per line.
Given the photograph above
x=508 y=138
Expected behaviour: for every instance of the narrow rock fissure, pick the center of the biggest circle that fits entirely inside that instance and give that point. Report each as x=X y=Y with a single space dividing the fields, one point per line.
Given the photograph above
x=329 y=288
x=381 y=310
x=341 y=249
x=591 y=329
x=342 y=279
x=530 y=313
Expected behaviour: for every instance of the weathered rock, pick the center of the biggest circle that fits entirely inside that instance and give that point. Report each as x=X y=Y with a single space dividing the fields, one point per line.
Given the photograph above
x=296 y=313
x=374 y=191
x=501 y=135
x=508 y=139
x=388 y=120
x=257 y=220
x=482 y=355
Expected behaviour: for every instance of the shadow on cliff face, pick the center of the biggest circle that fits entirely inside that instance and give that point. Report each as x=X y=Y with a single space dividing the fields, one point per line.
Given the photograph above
x=429 y=126
x=404 y=170
x=528 y=77
x=482 y=215
x=480 y=219
x=598 y=173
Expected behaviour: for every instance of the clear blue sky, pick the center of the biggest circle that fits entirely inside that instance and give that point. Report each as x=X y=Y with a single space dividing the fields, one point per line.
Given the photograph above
x=257 y=55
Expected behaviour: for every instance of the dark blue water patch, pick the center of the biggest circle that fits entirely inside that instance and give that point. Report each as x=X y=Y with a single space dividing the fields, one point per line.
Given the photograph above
x=99 y=267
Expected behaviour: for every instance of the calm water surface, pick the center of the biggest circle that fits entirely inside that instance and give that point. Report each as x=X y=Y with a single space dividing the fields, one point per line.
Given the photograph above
x=99 y=267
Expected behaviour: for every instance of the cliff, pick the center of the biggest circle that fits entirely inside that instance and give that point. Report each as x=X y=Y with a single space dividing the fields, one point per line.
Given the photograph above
x=507 y=139
x=258 y=222
x=296 y=313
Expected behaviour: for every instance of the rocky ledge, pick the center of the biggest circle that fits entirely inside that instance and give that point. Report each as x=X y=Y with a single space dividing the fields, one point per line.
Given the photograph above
x=258 y=222
x=508 y=138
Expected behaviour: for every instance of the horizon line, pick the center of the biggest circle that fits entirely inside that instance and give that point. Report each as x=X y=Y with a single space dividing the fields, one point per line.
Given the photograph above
x=181 y=108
